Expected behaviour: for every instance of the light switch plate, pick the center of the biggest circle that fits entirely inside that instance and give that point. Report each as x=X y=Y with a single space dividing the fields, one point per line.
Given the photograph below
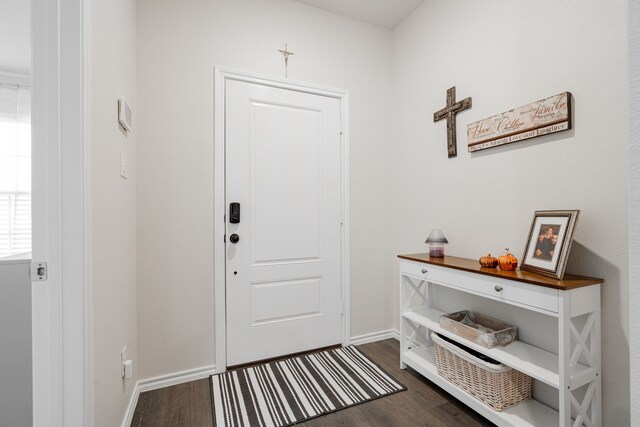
x=125 y=115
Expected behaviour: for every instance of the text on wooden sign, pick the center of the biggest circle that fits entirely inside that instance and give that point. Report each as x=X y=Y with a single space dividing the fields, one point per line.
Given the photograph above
x=542 y=117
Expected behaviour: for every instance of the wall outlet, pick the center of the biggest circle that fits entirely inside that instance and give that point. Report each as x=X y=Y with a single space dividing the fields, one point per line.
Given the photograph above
x=128 y=369
x=126 y=365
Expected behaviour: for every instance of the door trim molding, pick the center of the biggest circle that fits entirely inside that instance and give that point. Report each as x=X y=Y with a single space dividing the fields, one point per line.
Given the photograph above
x=221 y=75
x=62 y=306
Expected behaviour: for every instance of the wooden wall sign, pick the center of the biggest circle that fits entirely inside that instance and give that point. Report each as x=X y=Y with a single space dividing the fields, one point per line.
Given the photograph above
x=543 y=117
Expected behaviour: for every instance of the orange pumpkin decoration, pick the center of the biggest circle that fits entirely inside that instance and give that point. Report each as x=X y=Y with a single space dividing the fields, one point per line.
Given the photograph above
x=488 y=261
x=507 y=261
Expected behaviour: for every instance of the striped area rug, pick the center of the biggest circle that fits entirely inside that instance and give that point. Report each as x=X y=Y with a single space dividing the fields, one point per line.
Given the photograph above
x=294 y=390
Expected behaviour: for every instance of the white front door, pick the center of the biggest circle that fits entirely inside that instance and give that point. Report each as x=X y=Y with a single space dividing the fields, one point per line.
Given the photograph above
x=283 y=273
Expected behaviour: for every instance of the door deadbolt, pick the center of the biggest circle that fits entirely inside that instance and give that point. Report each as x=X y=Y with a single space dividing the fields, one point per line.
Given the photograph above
x=234 y=213
x=234 y=238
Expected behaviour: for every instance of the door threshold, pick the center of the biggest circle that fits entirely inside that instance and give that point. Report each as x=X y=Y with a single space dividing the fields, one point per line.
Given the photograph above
x=283 y=357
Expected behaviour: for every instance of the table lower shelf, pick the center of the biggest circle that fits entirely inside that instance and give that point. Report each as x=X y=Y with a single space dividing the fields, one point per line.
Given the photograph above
x=529 y=413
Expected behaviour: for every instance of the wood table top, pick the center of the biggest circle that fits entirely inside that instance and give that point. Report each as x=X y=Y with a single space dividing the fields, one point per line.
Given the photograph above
x=569 y=281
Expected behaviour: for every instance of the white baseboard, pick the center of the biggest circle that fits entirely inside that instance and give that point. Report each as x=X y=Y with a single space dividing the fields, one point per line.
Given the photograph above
x=131 y=409
x=375 y=336
x=176 y=378
x=161 y=382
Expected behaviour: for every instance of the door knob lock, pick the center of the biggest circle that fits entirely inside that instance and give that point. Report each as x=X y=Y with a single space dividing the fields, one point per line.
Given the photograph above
x=234 y=238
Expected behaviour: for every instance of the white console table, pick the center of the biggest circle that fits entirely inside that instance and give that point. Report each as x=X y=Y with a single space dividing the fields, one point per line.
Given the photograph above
x=574 y=371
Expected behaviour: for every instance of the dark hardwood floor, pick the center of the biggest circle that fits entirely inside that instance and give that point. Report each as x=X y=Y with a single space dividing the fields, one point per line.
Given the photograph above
x=423 y=404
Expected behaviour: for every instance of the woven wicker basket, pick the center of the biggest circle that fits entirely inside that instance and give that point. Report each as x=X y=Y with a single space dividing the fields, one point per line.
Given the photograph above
x=498 y=386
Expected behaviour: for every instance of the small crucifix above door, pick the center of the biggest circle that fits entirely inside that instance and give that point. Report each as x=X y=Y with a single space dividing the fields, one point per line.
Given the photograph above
x=286 y=55
x=449 y=112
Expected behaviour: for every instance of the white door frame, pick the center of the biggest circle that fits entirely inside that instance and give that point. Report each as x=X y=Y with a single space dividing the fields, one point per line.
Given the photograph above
x=634 y=209
x=222 y=74
x=61 y=305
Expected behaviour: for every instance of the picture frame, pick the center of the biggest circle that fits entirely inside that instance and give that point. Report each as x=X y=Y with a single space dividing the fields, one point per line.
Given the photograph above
x=549 y=242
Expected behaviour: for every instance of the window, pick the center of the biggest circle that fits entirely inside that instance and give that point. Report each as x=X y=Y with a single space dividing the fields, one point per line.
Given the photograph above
x=15 y=169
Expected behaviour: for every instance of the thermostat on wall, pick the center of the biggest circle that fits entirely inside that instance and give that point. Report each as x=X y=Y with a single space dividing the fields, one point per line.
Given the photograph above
x=124 y=114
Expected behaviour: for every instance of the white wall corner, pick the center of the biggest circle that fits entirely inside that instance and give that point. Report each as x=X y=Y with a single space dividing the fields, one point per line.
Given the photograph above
x=162 y=381
x=131 y=407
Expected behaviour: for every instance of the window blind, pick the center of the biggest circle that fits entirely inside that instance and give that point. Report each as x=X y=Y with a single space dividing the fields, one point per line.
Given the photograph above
x=15 y=170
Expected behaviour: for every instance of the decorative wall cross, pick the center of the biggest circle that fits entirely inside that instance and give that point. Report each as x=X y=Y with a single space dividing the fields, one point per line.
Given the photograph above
x=286 y=54
x=449 y=112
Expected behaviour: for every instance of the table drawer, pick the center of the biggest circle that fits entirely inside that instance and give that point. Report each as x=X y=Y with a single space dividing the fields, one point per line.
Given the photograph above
x=416 y=269
x=502 y=290
x=532 y=295
x=464 y=281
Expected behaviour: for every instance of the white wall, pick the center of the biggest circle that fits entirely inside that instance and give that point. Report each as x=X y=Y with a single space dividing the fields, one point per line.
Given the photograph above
x=634 y=207
x=113 y=66
x=15 y=32
x=15 y=351
x=178 y=47
x=504 y=55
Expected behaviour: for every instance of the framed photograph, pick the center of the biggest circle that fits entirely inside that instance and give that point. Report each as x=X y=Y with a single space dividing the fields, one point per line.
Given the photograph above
x=549 y=242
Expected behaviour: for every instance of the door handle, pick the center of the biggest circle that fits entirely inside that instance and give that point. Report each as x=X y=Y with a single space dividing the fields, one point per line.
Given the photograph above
x=234 y=238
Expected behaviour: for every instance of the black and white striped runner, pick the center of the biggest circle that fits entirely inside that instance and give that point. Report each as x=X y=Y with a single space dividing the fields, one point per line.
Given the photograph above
x=297 y=389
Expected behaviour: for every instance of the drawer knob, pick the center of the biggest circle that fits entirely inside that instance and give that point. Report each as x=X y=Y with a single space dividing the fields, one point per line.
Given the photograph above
x=424 y=271
x=498 y=288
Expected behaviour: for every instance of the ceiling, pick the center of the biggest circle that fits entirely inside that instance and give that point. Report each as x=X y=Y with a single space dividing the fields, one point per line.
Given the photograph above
x=383 y=13
x=15 y=45
x=15 y=49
